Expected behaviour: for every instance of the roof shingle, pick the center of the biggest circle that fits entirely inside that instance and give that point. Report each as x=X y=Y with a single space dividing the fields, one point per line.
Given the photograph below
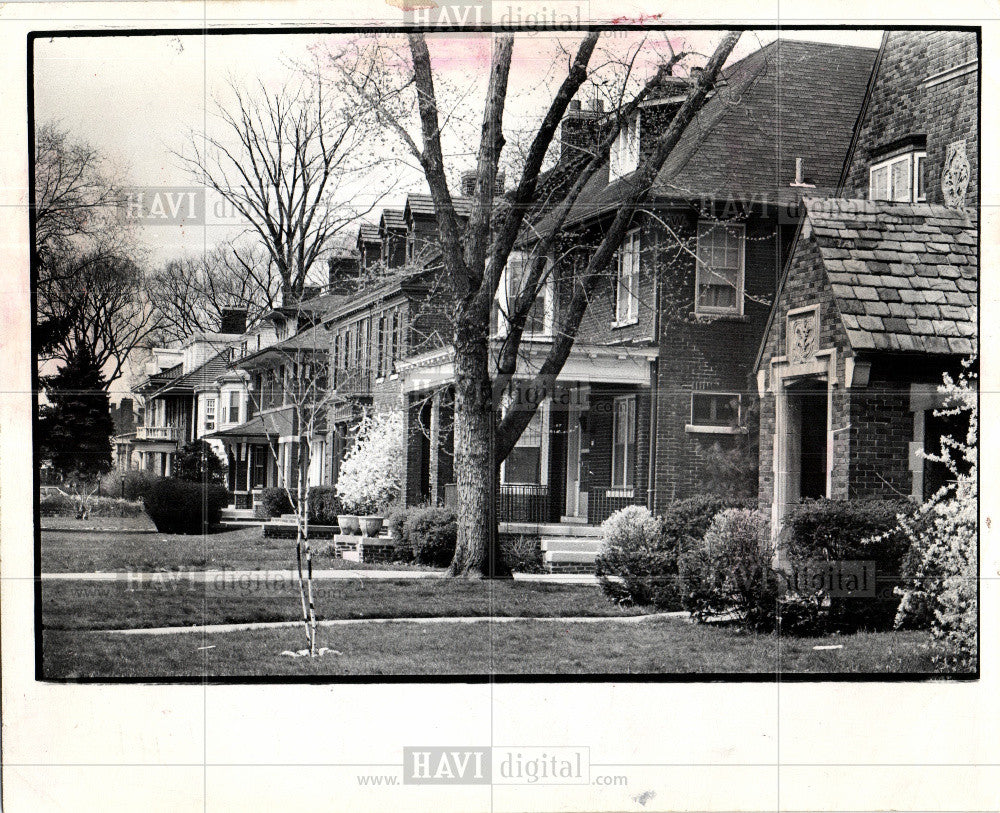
x=909 y=280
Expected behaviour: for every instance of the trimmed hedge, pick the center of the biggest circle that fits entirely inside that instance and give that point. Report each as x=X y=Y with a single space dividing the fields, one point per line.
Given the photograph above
x=427 y=535
x=275 y=502
x=646 y=561
x=841 y=530
x=324 y=505
x=130 y=485
x=181 y=507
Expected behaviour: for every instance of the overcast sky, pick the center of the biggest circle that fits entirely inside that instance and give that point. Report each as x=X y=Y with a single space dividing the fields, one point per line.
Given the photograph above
x=138 y=98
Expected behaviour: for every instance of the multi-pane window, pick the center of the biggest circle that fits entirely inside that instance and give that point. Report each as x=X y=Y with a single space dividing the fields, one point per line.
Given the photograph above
x=715 y=409
x=627 y=281
x=513 y=281
x=625 y=151
x=395 y=339
x=623 y=443
x=524 y=463
x=209 y=414
x=899 y=179
x=719 y=272
x=234 y=407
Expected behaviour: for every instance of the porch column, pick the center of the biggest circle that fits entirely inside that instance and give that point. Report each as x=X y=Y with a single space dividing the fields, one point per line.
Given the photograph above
x=435 y=444
x=246 y=451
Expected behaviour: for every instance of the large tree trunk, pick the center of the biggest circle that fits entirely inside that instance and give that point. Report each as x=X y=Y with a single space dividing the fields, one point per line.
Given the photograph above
x=477 y=553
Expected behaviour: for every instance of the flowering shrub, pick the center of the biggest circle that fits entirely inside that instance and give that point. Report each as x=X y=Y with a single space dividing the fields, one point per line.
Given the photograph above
x=945 y=552
x=371 y=476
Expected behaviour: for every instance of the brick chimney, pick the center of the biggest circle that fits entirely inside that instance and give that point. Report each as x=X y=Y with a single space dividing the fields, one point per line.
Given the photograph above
x=343 y=272
x=579 y=130
x=469 y=183
x=233 y=320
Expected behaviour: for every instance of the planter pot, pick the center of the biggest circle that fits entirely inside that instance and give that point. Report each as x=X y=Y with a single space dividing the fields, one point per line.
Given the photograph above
x=370 y=526
x=348 y=524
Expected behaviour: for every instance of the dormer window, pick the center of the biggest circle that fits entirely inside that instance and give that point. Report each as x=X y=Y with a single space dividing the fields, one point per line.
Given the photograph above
x=625 y=151
x=899 y=179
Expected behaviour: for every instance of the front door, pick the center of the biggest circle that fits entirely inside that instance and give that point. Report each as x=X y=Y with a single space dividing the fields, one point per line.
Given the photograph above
x=573 y=462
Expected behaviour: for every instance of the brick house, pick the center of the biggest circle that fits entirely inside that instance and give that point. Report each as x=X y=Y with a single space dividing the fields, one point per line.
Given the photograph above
x=661 y=368
x=879 y=297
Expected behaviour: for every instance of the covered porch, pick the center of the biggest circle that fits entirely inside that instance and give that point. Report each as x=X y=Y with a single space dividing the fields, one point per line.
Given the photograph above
x=585 y=454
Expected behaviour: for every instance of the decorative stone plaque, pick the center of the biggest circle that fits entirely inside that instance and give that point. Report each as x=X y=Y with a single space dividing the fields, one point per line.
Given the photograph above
x=803 y=337
x=955 y=177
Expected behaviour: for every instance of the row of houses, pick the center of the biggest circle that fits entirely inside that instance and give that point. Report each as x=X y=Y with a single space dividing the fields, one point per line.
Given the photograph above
x=804 y=271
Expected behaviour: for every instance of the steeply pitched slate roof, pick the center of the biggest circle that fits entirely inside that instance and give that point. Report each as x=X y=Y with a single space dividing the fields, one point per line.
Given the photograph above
x=205 y=373
x=368 y=233
x=788 y=100
x=420 y=204
x=393 y=218
x=905 y=276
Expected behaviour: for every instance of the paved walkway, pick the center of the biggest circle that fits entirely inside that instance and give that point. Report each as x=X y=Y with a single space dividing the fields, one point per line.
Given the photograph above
x=338 y=622
x=232 y=576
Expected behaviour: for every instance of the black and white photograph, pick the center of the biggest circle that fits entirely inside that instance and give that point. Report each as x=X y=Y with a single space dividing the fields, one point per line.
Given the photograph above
x=491 y=347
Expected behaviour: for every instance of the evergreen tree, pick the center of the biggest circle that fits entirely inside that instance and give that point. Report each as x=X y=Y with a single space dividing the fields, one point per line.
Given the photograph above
x=75 y=427
x=198 y=463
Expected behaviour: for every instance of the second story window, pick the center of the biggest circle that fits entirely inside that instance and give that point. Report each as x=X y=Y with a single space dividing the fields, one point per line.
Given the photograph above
x=720 y=268
x=624 y=156
x=627 y=281
x=209 y=414
x=538 y=322
x=280 y=329
x=234 y=407
x=899 y=179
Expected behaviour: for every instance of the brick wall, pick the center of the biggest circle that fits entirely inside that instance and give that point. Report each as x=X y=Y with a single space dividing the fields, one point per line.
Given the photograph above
x=806 y=285
x=714 y=355
x=903 y=104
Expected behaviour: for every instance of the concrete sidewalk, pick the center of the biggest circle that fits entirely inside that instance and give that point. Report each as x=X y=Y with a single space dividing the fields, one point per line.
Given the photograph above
x=223 y=577
x=338 y=622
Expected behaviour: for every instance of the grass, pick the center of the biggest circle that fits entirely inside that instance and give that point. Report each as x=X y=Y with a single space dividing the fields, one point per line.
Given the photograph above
x=79 y=605
x=89 y=551
x=659 y=646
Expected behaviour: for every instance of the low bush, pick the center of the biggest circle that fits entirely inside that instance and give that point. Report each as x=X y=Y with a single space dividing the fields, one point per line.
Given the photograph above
x=57 y=504
x=638 y=563
x=324 y=505
x=396 y=523
x=426 y=535
x=730 y=571
x=275 y=502
x=522 y=554
x=181 y=507
x=840 y=530
x=129 y=485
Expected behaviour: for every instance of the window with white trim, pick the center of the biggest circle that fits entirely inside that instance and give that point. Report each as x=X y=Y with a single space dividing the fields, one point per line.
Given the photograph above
x=624 y=156
x=899 y=179
x=541 y=314
x=715 y=411
x=209 y=414
x=627 y=281
x=623 y=443
x=234 y=406
x=720 y=268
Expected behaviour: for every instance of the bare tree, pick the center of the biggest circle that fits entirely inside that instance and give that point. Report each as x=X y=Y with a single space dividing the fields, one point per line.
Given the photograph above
x=84 y=246
x=279 y=162
x=475 y=253
x=191 y=292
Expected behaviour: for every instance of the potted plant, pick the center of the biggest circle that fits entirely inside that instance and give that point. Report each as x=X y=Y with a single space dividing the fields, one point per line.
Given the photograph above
x=371 y=476
x=348 y=523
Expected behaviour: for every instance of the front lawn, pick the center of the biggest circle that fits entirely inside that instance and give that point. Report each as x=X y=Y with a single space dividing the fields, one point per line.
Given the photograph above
x=241 y=549
x=655 y=646
x=171 y=602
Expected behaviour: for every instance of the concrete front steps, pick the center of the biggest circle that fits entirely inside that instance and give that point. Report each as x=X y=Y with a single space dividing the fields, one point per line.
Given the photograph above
x=239 y=518
x=567 y=547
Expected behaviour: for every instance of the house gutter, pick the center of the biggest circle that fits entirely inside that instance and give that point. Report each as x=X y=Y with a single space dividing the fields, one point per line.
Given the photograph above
x=654 y=399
